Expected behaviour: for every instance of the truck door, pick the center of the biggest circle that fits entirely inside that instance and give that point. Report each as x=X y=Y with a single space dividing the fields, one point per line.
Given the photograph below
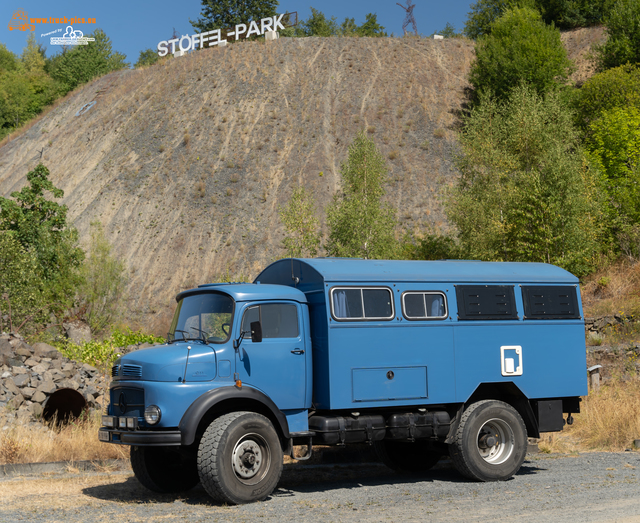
x=276 y=365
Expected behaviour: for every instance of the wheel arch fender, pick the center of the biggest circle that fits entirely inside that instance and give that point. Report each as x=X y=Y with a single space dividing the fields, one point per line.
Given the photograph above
x=508 y=392
x=223 y=400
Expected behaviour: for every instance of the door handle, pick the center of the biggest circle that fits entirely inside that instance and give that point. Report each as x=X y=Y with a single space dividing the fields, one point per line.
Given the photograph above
x=297 y=351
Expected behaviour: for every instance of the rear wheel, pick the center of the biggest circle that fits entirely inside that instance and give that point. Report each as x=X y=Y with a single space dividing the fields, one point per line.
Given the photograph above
x=405 y=456
x=490 y=443
x=240 y=458
x=164 y=469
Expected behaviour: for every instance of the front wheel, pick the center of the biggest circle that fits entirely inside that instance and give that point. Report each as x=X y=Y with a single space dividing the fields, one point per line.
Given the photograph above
x=240 y=458
x=164 y=469
x=490 y=443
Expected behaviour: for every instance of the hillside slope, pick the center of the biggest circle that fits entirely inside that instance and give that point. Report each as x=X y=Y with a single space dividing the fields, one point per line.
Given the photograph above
x=186 y=162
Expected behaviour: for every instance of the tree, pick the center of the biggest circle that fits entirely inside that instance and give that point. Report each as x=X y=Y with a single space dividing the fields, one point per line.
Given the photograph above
x=86 y=62
x=614 y=143
x=20 y=290
x=105 y=280
x=483 y=14
x=223 y=14
x=622 y=26
x=360 y=224
x=319 y=25
x=567 y=14
x=370 y=27
x=527 y=191
x=449 y=31
x=146 y=58
x=40 y=225
x=520 y=49
x=25 y=87
x=301 y=224
x=617 y=87
x=563 y=14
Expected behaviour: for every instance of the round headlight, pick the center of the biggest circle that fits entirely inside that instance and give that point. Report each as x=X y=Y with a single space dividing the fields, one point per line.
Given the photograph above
x=152 y=414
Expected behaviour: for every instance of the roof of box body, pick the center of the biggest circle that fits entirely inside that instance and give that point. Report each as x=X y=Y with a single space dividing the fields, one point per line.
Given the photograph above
x=453 y=271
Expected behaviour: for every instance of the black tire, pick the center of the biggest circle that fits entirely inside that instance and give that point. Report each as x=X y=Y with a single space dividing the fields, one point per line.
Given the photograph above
x=240 y=458
x=490 y=443
x=164 y=469
x=406 y=456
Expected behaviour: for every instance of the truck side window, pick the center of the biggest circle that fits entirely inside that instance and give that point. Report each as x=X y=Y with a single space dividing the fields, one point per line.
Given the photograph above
x=279 y=320
x=424 y=305
x=362 y=303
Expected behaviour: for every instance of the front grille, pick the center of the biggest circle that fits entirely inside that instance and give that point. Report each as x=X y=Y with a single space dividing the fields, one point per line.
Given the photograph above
x=127 y=401
x=132 y=371
x=114 y=370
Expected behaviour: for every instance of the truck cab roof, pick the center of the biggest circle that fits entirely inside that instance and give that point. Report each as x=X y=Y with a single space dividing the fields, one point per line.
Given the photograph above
x=249 y=291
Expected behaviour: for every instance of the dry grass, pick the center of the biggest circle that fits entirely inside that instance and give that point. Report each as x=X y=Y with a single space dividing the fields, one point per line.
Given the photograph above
x=74 y=442
x=614 y=289
x=609 y=420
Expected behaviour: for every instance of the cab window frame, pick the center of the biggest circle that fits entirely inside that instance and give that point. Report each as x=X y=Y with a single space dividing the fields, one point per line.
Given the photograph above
x=259 y=307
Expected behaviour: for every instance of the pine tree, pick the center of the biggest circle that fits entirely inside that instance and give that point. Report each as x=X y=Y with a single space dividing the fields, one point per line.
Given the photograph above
x=360 y=224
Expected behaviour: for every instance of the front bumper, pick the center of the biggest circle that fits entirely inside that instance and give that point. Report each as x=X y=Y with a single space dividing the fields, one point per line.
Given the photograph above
x=141 y=438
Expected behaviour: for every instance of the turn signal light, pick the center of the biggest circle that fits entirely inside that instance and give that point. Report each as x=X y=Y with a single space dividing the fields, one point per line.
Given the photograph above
x=238 y=383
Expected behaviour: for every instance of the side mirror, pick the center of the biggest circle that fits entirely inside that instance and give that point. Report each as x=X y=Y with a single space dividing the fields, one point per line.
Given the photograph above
x=256 y=331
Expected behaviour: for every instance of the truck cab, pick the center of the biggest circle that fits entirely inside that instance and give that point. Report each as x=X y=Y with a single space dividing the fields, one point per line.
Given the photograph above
x=420 y=359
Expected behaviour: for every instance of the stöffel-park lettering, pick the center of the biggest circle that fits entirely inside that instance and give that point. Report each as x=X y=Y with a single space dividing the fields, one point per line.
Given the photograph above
x=197 y=41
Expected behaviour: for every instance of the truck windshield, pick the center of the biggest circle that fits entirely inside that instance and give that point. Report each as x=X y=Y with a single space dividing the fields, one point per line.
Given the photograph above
x=207 y=315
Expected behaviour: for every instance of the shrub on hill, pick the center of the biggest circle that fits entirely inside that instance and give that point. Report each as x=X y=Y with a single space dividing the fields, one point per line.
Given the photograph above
x=526 y=192
x=623 y=35
x=617 y=87
x=520 y=49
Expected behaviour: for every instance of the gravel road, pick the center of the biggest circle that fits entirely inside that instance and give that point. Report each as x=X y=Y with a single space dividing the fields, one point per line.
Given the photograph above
x=590 y=487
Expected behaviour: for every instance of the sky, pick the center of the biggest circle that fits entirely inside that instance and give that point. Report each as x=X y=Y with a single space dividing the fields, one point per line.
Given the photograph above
x=136 y=25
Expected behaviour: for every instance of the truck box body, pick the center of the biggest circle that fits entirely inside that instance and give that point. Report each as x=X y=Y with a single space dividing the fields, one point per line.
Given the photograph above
x=441 y=359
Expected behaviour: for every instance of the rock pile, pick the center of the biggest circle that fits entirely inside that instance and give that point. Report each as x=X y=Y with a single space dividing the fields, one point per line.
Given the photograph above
x=39 y=381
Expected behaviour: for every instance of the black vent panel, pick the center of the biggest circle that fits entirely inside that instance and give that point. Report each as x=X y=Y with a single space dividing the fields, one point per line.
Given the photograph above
x=114 y=370
x=550 y=302
x=132 y=371
x=486 y=302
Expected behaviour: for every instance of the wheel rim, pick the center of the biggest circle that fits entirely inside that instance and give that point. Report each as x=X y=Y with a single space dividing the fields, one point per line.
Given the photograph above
x=251 y=459
x=495 y=441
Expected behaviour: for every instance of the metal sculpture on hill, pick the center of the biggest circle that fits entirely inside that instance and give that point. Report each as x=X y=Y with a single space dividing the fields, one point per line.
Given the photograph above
x=409 y=19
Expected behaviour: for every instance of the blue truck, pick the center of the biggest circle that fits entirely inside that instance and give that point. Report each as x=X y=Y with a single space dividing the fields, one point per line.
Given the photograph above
x=418 y=358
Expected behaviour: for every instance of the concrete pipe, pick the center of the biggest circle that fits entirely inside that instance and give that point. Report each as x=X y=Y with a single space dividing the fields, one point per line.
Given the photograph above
x=64 y=405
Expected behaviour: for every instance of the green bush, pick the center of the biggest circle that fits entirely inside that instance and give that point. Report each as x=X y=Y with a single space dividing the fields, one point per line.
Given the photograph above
x=360 y=224
x=622 y=25
x=21 y=297
x=526 y=191
x=614 y=144
x=617 y=87
x=521 y=49
x=40 y=225
x=105 y=279
x=102 y=354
